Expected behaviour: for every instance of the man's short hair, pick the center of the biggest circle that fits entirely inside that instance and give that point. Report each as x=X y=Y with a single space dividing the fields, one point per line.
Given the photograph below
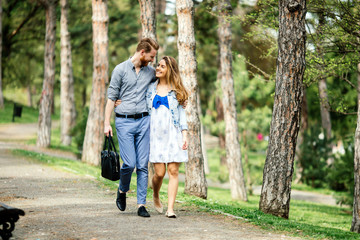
x=147 y=44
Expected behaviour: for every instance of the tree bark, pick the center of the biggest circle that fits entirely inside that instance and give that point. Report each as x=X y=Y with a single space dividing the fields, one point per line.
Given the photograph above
x=47 y=94
x=232 y=144
x=67 y=97
x=148 y=20
x=160 y=6
x=1 y=91
x=246 y=157
x=300 y=139
x=148 y=23
x=195 y=182
x=278 y=169
x=355 y=225
x=94 y=134
x=324 y=100
x=220 y=116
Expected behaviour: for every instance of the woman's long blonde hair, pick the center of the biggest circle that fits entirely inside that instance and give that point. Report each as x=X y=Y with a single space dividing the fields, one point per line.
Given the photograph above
x=174 y=80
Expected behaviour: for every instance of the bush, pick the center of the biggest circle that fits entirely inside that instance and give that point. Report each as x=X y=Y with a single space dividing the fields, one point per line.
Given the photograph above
x=341 y=175
x=78 y=132
x=314 y=153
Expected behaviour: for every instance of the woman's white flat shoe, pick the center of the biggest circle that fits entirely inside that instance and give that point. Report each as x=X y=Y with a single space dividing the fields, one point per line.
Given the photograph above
x=159 y=209
x=170 y=215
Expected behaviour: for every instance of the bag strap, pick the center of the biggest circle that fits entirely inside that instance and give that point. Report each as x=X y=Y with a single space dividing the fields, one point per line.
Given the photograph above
x=111 y=142
x=106 y=139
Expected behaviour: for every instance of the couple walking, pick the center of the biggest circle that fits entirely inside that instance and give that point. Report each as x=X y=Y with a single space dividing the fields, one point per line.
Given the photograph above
x=150 y=124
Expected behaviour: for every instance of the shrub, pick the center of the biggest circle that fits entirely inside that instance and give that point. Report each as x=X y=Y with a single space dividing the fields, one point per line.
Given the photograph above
x=314 y=153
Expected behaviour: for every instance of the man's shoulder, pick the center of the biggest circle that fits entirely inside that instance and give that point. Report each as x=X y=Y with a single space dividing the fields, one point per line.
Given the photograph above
x=151 y=68
x=122 y=65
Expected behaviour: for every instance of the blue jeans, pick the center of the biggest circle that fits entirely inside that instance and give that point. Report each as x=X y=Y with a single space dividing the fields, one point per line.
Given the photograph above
x=134 y=143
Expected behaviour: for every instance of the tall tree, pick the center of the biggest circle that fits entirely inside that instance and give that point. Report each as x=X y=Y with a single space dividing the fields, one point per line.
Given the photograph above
x=278 y=169
x=47 y=94
x=148 y=23
x=233 y=153
x=160 y=6
x=94 y=134
x=1 y=91
x=67 y=98
x=148 y=20
x=324 y=100
x=195 y=182
x=355 y=225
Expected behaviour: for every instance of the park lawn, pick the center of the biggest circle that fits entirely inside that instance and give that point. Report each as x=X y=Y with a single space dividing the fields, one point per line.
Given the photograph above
x=309 y=220
x=28 y=114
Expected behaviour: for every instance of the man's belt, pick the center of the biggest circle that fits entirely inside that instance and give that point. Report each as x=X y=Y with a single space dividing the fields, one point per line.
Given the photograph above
x=135 y=116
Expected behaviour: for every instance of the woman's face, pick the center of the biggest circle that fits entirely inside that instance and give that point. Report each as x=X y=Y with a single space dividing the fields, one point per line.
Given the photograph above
x=161 y=69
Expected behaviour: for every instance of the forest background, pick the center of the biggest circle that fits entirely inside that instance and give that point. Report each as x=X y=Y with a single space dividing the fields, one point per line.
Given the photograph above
x=325 y=158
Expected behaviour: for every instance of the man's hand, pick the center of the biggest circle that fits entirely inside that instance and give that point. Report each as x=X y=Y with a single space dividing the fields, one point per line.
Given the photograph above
x=118 y=102
x=107 y=130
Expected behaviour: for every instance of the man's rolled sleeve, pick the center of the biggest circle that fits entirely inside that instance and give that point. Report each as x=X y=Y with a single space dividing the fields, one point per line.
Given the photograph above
x=115 y=83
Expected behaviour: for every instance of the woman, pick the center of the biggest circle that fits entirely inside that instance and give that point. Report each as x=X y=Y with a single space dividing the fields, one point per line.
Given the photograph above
x=168 y=129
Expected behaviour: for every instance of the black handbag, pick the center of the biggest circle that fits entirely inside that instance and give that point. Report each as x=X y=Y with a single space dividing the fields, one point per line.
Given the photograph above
x=110 y=164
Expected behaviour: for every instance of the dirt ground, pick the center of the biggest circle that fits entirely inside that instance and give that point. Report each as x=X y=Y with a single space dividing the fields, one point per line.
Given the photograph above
x=61 y=205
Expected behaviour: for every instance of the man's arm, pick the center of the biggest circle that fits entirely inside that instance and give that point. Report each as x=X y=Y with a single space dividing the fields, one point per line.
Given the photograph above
x=108 y=110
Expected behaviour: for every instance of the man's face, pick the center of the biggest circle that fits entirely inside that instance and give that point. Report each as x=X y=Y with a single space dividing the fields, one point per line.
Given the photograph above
x=146 y=58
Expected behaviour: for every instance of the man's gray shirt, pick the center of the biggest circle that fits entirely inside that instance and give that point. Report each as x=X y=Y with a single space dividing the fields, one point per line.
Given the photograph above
x=130 y=87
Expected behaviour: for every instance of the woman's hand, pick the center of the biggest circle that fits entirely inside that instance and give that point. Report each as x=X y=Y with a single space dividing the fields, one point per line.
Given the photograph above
x=185 y=140
x=118 y=102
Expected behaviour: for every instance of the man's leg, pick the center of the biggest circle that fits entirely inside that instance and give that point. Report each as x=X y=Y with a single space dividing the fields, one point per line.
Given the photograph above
x=142 y=148
x=125 y=133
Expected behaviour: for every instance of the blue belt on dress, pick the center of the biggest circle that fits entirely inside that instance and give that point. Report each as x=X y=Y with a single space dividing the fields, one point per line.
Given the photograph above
x=135 y=116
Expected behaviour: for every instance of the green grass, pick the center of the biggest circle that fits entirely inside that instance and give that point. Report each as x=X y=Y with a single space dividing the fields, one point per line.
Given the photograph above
x=309 y=220
x=28 y=114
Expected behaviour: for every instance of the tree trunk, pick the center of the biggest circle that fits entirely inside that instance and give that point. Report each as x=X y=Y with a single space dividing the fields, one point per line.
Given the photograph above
x=220 y=117
x=300 y=139
x=47 y=95
x=148 y=20
x=29 y=94
x=202 y=134
x=160 y=6
x=67 y=98
x=246 y=157
x=324 y=100
x=278 y=169
x=94 y=134
x=355 y=225
x=232 y=144
x=148 y=23
x=1 y=91
x=195 y=182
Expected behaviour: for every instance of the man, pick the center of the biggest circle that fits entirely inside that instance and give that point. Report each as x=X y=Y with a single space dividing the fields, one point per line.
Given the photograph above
x=129 y=82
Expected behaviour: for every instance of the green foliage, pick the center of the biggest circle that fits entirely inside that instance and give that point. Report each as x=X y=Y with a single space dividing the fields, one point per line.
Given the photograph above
x=78 y=132
x=314 y=153
x=341 y=175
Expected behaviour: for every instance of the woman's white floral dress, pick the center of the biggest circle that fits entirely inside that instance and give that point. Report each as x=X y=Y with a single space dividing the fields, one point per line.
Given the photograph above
x=165 y=138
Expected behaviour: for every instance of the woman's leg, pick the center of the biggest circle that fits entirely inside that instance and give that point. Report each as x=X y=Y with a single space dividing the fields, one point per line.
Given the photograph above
x=157 y=180
x=173 y=171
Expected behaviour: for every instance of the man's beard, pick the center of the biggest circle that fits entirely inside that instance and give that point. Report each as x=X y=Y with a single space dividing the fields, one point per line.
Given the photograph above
x=143 y=62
